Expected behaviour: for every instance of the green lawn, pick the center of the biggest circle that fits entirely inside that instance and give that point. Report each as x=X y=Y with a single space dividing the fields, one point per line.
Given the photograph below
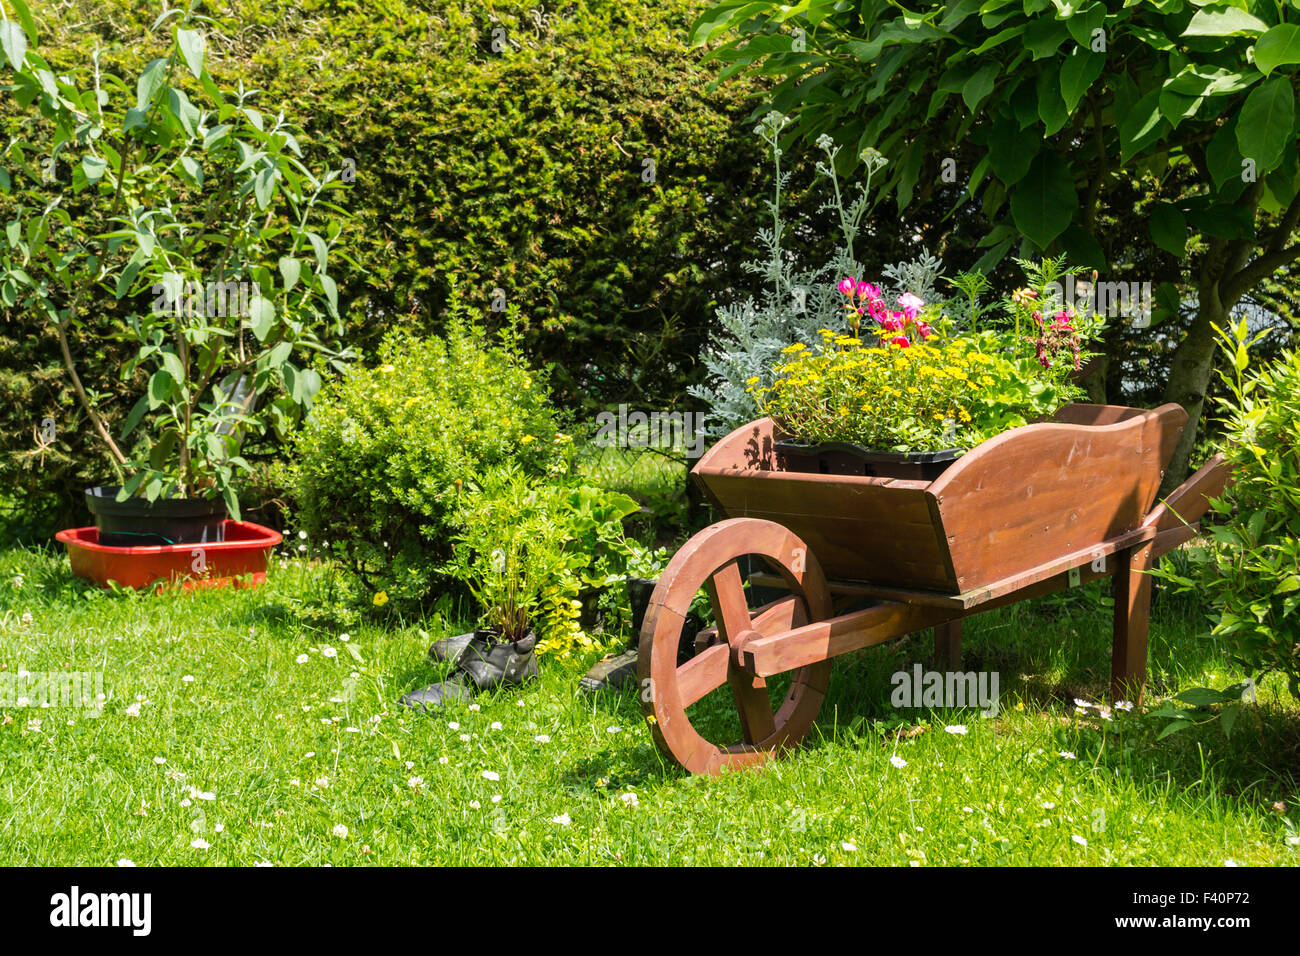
x=238 y=745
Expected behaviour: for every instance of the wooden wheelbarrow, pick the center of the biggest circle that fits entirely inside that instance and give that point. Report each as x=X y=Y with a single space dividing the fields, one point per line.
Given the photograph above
x=1031 y=511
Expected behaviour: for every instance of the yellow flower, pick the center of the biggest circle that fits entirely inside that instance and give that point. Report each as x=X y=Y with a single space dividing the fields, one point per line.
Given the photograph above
x=525 y=439
x=381 y=598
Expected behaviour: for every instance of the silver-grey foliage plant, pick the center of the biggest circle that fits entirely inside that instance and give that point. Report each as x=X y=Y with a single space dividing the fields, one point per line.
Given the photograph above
x=794 y=304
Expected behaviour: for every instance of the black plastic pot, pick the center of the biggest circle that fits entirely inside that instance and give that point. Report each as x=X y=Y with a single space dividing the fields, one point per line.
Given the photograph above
x=638 y=595
x=137 y=521
x=846 y=458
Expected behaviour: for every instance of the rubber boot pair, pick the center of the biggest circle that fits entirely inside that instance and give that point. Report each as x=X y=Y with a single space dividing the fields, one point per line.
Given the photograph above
x=483 y=662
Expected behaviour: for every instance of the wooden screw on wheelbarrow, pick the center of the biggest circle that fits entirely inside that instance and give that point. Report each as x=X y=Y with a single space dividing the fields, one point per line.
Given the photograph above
x=1031 y=511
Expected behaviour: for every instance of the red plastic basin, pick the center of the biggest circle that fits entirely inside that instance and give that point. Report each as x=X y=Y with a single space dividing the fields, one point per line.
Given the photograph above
x=244 y=551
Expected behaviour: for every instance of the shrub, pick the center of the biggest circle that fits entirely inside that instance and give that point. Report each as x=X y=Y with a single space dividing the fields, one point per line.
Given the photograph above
x=379 y=465
x=1250 y=571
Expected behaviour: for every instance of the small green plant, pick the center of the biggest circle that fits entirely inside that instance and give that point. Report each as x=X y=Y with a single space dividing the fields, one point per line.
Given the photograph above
x=1249 y=570
x=528 y=550
x=180 y=219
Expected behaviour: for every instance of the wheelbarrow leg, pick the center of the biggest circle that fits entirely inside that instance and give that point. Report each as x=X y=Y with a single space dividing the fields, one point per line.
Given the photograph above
x=947 y=645
x=1128 y=668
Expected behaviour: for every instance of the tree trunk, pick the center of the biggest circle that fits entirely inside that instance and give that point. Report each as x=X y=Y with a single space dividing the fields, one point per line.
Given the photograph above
x=1189 y=375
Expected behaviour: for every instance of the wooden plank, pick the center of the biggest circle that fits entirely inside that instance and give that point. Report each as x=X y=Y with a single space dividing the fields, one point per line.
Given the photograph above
x=824 y=640
x=1132 y=620
x=1011 y=586
x=947 y=645
x=1191 y=500
x=1032 y=494
x=878 y=529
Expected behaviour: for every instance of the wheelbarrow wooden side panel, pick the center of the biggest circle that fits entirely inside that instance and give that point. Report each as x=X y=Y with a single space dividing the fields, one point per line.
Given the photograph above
x=1034 y=494
x=877 y=529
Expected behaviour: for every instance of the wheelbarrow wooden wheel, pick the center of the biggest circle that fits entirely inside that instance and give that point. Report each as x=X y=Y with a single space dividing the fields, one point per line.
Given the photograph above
x=709 y=561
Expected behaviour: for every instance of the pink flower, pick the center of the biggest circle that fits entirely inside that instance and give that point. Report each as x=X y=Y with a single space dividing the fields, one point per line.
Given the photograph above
x=911 y=304
x=868 y=291
x=1062 y=320
x=901 y=341
x=846 y=285
x=924 y=329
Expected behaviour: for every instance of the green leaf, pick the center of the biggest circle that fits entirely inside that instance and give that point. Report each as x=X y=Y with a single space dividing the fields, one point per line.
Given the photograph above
x=1082 y=26
x=183 y=110
x=321 y=250
x=979 y=86
x=127 y=279
x=1043 y=35
x=331 y=291
x=292 y=381
x=1175 y=107
x=147 y=87
x=1228 y=718
x=1169 y=228
x=1044 y=201
x=192 y=169
x=172 y=363
x=14 y=43
x=1223 y=21
x=93 y=167
x=133 y=417
x=1079 y=71
x=261 y=316
x=1201 y=696
x=1206 y=82
x=1141 y=126
x=1173 y=727
x=1267 y=123
x=1280 y=46
x=311 y=384
x=279 y=354
x=161 y=387
x=263 y=186
x=160 y=454
x=1051 y=105
x=290 y=269
x=1224 y=159
x=25 y=18
x=191 y=44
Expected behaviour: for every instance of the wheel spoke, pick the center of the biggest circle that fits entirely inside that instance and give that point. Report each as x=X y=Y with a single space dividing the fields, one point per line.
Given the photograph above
x=727 y=592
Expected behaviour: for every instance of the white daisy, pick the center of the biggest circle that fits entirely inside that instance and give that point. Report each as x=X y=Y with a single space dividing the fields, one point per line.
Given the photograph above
x=562 y=819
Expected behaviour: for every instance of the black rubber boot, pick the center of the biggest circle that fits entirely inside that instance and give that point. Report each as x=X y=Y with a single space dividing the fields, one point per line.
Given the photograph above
x=487 y=662
x=450 y=649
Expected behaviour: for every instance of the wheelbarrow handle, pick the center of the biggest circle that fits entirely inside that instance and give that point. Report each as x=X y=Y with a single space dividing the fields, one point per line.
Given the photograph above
x=1176 y=518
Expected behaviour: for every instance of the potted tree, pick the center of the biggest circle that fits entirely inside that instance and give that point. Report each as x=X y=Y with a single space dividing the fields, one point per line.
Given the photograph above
x=176 y=219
